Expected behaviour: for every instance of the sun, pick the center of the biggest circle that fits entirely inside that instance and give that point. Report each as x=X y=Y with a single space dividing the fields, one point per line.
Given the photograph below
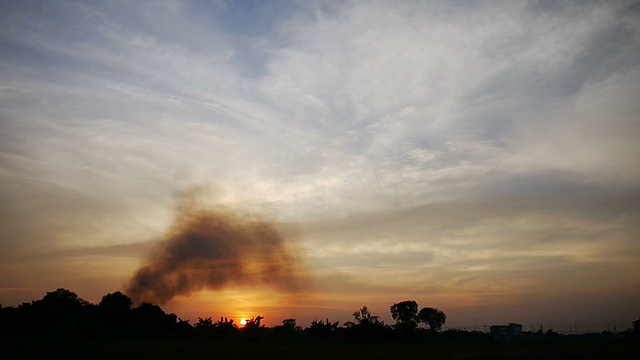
x=243 y=322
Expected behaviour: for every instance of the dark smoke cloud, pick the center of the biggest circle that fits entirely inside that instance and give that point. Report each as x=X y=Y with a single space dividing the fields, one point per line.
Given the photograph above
x=213 y=249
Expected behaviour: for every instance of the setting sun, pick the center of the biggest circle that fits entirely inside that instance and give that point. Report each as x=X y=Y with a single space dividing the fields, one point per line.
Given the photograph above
x=243 y=322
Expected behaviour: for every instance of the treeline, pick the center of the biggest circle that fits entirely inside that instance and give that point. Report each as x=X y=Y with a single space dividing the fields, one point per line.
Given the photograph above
x=63 y=312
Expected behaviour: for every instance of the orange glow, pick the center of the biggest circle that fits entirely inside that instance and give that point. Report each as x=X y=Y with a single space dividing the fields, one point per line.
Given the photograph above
x=239 y=304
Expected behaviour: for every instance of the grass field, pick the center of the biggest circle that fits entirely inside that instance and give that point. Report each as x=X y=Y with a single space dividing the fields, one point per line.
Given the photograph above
x=190 y=348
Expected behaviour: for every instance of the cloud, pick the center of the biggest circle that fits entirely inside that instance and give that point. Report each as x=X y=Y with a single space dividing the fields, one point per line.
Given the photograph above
x=517 y=244
x=350 y=95
x=214 y=249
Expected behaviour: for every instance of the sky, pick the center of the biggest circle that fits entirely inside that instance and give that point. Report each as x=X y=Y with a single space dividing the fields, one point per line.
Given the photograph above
x=478 y=157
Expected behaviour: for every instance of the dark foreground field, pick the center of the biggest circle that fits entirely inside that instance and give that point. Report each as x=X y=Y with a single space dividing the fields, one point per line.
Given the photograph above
x=191 y=348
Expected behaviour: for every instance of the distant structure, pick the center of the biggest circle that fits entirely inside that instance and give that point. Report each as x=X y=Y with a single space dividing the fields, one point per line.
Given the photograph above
x=506 y=331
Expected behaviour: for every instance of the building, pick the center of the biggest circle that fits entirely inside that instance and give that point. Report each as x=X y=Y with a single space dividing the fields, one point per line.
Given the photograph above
x=506 y=331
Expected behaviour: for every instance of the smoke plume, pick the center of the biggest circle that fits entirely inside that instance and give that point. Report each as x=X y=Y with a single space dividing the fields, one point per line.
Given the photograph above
x=212 y=249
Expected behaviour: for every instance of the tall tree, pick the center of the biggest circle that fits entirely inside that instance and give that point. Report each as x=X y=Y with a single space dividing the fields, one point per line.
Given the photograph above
x=405 y=313
x=63 y=302
x=115 y=309
x=432 y=316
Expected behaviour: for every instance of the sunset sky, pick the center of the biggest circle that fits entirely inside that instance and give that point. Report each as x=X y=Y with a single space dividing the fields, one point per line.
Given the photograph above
x=479 y=157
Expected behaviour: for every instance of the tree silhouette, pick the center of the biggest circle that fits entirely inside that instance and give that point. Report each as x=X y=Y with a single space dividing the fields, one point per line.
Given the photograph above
x=433 y=317
x=363 y=318
x=225 y=323
x=61 y=317
x=366 y=325
x=150 y=317
x=183 y=326
x=289 y=324
x=115 y=309
x=405 y=314
x=12 y=320
x=252 y=329
x=116 y=302
x=61 y=303
x=320 y=328
x=253 y=324
x=63 y=300
x=60 y=310
x=225 y=328
x=287 y=329
x=204 y=325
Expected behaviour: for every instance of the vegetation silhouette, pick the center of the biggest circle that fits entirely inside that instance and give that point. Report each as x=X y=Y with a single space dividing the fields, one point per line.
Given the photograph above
x=433 y=317
x=61 y=318
x=405 y=313
x=115 y=310
x=366 y=326
x=323 y=329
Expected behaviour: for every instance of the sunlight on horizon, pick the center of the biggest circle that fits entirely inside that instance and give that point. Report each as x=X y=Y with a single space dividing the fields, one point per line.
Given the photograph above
x=237 y=303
